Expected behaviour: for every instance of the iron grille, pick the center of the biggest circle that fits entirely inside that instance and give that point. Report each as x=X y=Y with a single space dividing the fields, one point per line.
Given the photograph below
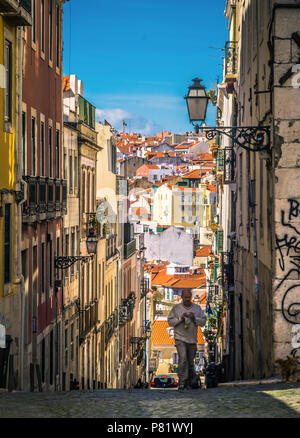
x=230 y=58
x=229 y=164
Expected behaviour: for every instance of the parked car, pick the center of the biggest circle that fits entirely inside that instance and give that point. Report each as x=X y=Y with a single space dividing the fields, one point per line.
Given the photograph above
x=164 y=381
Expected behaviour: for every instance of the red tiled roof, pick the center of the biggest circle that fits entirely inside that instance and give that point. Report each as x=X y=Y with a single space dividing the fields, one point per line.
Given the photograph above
x=194 y=174
x=160 y=334
x=205 y=156
x=204 y=251
x=211 y=188
x=178 y=281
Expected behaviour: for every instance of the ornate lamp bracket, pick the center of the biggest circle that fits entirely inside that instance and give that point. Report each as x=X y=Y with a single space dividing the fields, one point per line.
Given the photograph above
x=250 y=138
x=65 y=262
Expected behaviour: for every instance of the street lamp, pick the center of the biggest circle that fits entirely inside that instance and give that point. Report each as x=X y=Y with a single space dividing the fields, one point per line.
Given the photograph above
x=250 y=138
x=64 y=262
x=197 y=101
x=91 y=242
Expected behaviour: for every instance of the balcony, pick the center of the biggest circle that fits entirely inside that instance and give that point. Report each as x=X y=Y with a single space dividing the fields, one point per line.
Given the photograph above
x=18 y=12
x=86 y=112
x=230 y=61
x=144 y=287
x=111 y=324
x=229 y=165
x=227 y=270
x=137 y=351
x=129 y=249
x=111 y=248
x=126 y=309
x=40 y=204
x=140 y=245
x=89 y=318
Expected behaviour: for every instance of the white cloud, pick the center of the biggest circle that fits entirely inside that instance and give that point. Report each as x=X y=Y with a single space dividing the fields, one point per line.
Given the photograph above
x=135 y=123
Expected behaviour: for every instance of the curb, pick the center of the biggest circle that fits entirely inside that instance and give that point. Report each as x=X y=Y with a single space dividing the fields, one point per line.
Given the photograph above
x=250 y=382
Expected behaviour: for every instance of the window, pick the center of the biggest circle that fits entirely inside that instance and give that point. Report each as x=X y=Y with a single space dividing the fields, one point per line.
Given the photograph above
x=50 y=264
x=67 y=252
x=50 y=29
x=255 y=26
x=83 y=193
x=70 y=174
x=33 y=28
x=57 y=36
x=65 y=166
x=66 y=347
x=43 y=268
x=99 y=280
x=24 y=142
x=43 y=26
x=88 y=283
x=24 y=257
x=72 y=250
x=57 y=255
x=50 y=150
x=7 y=244
x=51 y=355
x=8 y=81
x=43 y=354
x=33 y=145
x=57 y=153
x=75 y=172
x=88 y=192
x=42 y=148
x=72 y=342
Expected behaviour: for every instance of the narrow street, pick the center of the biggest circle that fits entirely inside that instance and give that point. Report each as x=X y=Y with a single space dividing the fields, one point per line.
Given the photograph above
x=257 y=401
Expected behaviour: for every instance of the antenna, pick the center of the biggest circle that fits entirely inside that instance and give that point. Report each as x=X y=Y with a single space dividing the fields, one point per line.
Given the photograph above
x=217 y=48
x=124 y=124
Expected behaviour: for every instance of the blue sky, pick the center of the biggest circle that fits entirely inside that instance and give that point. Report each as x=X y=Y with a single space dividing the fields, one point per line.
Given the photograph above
x=136 y=58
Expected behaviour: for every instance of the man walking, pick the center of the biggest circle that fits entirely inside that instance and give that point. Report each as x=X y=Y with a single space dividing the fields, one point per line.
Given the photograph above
x=185 y=318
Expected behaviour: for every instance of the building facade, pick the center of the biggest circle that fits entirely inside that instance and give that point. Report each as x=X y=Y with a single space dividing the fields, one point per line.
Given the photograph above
x=12 y=19
x=260 y=88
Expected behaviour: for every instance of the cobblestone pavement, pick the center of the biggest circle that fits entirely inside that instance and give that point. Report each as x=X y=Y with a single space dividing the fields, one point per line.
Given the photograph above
x=267 y=400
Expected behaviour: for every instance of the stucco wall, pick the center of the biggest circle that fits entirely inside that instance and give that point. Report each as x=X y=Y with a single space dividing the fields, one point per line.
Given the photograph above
x=171 y=245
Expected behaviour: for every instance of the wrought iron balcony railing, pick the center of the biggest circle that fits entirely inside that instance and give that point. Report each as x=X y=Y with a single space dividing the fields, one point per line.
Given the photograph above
x=144 y=287
x=26 y=4
x=227 y=269
x=230 y=58
x=229 y=165
x=111 y=246
x=137 y=344
x=140 y=242
x=45 y=196
x=17 y=11
x=126 y=309
x=129 y=249
x=89 y=318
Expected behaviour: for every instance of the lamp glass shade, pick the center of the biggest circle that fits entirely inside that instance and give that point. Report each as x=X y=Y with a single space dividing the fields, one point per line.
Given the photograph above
x=197 y=101
x=91 y=244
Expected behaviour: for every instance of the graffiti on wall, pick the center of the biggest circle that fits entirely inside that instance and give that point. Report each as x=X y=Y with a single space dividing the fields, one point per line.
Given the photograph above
x=3 y=320
x=288 y=248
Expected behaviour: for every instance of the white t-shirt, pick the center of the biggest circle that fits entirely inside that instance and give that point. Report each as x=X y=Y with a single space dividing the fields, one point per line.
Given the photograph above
x=181 y=332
